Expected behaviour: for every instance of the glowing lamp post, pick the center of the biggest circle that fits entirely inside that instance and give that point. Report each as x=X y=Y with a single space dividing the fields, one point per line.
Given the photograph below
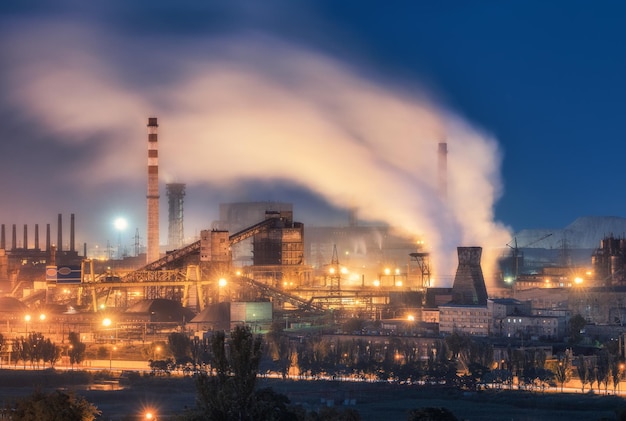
x=27 y=319
x=157 y=350
x=222 y=283
x=107 y=323
x=621 y=374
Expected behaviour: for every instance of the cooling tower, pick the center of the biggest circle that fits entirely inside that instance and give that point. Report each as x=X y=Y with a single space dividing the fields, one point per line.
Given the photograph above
x=469 y=284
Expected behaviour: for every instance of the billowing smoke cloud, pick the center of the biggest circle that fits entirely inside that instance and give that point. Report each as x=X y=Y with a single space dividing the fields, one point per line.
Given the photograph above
x=251 y=107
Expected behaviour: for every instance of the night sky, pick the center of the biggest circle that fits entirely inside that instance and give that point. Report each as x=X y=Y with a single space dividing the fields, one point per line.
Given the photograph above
x=326 y=104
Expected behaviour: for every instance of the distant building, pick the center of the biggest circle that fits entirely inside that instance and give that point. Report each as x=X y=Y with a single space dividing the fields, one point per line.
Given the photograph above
x=468 y=319
x=601 y=306
x=227 y=315
x=531 y=326
x=502 y=307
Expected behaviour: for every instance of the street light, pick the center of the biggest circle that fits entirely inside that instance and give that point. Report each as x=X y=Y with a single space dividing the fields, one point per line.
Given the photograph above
x=621 y=374
x=107 y=323
x=156 y=352
x=27 y=319
x=222 y=283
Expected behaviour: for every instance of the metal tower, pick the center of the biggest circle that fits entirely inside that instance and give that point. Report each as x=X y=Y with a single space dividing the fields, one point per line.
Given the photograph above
x=175 y=196
x=423 y=262
x=335 y=273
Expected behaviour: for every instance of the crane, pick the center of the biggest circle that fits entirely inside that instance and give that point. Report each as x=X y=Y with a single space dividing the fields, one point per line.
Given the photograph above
x=516 y=254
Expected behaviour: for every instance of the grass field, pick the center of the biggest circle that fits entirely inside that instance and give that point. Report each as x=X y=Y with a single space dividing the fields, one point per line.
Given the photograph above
x=374 y=401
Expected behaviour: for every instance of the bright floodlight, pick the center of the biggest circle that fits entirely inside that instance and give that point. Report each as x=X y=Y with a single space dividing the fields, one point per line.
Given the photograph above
x=106 y=322
x=222 y=282
x=120 y=224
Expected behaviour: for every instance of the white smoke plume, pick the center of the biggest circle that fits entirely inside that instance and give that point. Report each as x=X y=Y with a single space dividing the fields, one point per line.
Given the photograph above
x=255 y=108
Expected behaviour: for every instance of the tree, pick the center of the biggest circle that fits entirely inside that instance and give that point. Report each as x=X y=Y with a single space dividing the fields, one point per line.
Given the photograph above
x=55 y=406
x=603 y=370
x=576 y=325
x=617 y=368
x=279 y=348
x=77 y=349
x=19 y=350
x=456 y=342
x=563 y=370
x=583 y=371
x=50 y=352
x=180 y=345
x=1 y=346
x=230 y=394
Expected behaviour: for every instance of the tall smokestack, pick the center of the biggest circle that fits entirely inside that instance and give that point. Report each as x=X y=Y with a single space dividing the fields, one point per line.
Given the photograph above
x=25 y=237
x=3 y=239
x=175 y=198
x=36 y=236
x=152 y=253
x=72 y=232
x=14 y=238
x=48 y=237
x=443 y=170
x=60 y=234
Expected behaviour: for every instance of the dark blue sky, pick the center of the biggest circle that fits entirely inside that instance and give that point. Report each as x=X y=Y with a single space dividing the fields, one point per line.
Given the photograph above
x=545 y=79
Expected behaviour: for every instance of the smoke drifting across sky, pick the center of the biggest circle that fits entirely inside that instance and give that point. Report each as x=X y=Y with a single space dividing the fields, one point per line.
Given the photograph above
x=246 y=108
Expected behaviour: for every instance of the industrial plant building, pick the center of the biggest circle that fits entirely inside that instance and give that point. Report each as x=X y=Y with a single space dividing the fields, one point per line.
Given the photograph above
x=259 y=264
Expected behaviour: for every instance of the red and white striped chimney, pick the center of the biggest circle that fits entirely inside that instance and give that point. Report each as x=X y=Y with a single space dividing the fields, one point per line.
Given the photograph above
x=152 y=252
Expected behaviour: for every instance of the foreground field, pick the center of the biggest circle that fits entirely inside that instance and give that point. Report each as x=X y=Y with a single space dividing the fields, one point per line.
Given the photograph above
x=170 y=396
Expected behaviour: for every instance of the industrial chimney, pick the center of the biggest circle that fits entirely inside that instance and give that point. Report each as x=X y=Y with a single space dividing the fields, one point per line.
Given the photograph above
x=72 y=233
x=152 y=253
x=175 y=198
x=60 y=234
x=443 y=170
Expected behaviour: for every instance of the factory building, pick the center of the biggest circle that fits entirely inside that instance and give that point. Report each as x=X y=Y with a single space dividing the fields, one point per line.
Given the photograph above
x=21 y=262
x=609 y=262
x=237 y=216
